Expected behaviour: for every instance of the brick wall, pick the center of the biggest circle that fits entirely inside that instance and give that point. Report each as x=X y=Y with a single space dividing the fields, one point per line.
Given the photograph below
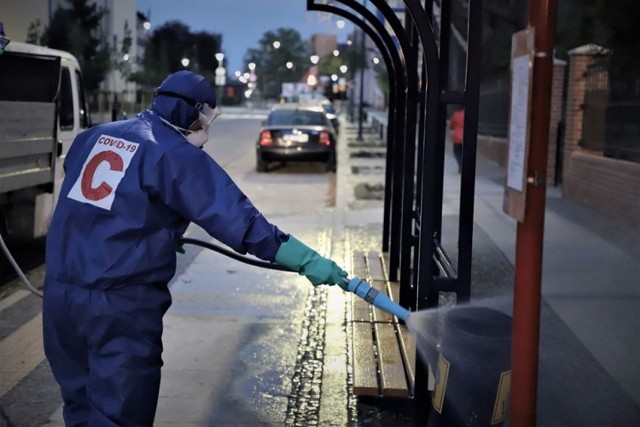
x=557 y=88
x=609 y=185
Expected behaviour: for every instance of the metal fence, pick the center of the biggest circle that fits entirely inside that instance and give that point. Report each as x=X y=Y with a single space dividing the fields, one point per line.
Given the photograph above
x=611 y=113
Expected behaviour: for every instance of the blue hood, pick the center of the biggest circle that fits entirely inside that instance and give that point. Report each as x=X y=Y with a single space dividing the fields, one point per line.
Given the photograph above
x=175 y=110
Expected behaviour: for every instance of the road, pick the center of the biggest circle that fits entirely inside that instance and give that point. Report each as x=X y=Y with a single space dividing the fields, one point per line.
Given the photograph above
x=228 y=320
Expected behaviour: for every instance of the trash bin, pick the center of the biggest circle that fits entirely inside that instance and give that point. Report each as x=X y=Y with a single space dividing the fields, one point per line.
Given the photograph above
x=472 y=367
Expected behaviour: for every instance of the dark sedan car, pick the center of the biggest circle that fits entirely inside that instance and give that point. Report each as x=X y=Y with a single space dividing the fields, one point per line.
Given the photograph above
x=296 y=133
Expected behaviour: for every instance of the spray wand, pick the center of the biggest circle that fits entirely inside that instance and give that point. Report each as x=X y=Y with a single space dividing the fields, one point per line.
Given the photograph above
x=374 y=297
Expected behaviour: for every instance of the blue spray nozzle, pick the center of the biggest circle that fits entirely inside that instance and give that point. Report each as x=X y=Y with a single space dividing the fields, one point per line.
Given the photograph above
x=374 y=297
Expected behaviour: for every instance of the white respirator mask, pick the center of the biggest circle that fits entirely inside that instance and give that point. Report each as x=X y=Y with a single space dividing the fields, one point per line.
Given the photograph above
x=206 y=116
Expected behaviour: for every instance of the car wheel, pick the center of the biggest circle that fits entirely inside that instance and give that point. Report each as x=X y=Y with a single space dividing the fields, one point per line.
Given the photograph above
x=261 y=165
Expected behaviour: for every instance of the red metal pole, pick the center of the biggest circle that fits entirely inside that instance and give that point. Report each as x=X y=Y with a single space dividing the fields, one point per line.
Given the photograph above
x=530 y=234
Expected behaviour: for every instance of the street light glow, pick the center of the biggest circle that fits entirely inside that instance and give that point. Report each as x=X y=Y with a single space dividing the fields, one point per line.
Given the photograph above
x=334 y=77
x=349 y=42
x=146 y=25
x=336 y=52
x=276 y=44
x=185 y=62
x=340 y=23
x=376 y=60
x=311 y=80
x=314 y=59
x=125 y=57
x=252 y=66
x=220 y=57
x=343 y=69
x=289 y=65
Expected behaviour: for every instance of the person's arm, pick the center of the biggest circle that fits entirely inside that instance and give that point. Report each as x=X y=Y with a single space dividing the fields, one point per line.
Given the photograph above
x=195 y=186
x=201 y=191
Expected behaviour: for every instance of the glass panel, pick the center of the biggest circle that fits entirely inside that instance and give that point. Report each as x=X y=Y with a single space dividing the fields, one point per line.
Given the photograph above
x=66 y=101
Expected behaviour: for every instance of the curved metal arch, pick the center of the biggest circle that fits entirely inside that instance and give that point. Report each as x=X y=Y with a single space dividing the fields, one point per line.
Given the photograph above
x=401 y=234
x=394 y=65
x=395 y=132
x=428 y=40
x=402 y=215
x=391 y=58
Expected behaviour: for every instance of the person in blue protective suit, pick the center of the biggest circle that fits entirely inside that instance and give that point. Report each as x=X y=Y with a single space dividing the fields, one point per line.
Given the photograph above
x=131 y=189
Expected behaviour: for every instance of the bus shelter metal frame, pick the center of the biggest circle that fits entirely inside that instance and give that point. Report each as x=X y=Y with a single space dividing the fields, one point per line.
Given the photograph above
x=416 y=133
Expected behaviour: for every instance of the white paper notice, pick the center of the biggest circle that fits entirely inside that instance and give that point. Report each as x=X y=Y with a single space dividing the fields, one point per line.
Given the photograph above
x=519 y=122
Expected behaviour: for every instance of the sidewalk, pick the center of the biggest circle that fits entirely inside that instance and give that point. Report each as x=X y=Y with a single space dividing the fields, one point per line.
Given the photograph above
x=589 y=372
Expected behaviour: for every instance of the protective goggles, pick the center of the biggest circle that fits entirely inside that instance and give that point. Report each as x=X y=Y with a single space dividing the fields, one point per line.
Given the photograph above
x=206 y=114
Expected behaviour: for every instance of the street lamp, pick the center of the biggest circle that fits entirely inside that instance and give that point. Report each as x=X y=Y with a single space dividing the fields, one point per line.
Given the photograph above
x=376 y=60
x=221 y=75
x=146 y=25
x=336 y=52
x=344 y=69
x=276 y=44
x=252 y=66
x=185 y=62
x=340 y=24
x=289 y=65
x=314 y=59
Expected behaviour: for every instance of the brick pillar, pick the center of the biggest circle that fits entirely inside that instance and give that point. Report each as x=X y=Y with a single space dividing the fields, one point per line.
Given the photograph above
x=557 y=87
x=579 y=60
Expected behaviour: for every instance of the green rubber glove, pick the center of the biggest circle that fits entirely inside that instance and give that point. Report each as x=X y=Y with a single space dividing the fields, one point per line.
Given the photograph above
x=301 y=258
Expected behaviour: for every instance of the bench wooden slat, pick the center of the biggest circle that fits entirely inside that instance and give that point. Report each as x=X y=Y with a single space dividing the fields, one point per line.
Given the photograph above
x=408 y=352
x=360 y=310
x=392 y=375
x=359 y=265
x=379 y=315
x=395 y=291
x=375 y=266
x=365 y=375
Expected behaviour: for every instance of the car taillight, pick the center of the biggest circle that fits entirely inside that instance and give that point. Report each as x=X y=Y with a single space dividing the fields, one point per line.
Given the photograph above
x=324 y=138
x=265 y=138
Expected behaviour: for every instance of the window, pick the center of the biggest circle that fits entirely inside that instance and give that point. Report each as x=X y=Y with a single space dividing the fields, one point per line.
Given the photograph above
x=296 y=117
x=65 y=104
x=85 y=120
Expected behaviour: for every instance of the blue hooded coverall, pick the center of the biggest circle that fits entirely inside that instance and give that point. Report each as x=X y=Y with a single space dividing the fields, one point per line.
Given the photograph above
x=131 y=189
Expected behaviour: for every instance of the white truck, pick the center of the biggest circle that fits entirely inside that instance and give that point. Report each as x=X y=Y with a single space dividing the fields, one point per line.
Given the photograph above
x=42 y=109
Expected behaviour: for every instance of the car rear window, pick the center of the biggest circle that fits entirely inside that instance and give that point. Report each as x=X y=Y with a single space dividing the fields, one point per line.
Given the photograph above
x=296 y=117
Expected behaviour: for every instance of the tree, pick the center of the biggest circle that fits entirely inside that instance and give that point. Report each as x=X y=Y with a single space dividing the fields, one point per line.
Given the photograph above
x=36 y=34
x=271 y=62
x=121 y=59
x=611 y=24
x=77 y=30
x=172 y=42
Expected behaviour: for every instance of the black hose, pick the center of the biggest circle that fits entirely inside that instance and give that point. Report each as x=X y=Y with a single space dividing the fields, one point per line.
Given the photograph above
x=234 y=255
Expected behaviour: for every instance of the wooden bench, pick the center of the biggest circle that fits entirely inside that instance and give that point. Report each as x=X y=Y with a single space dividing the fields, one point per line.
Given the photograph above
x=383 y=349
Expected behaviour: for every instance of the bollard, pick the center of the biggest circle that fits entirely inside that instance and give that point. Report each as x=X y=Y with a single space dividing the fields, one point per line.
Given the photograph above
x=472 y=367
